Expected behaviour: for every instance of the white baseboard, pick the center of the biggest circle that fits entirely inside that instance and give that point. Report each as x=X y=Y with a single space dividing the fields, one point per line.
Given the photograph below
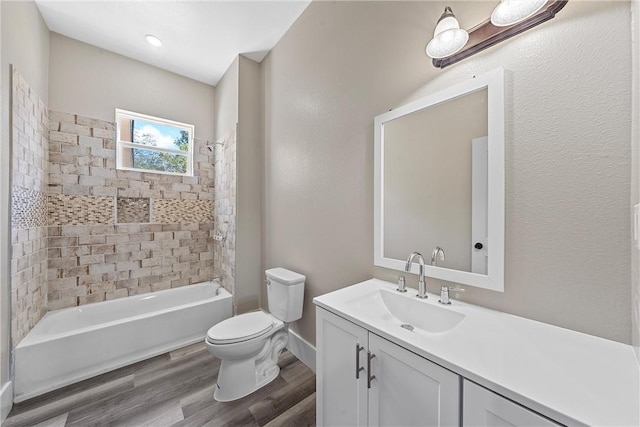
x=301 y=349
x=6 y=400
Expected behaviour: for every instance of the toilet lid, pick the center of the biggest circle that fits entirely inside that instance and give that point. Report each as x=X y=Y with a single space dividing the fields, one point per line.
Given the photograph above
x=240 y=328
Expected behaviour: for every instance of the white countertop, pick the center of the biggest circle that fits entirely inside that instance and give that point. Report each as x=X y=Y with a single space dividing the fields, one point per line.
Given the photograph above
x=568 y=376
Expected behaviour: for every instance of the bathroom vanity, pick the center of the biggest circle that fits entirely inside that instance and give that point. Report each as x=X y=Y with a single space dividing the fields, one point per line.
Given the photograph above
x=388 y=358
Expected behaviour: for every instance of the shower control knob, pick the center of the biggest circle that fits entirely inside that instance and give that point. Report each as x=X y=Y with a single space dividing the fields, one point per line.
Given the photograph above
x=478 y=245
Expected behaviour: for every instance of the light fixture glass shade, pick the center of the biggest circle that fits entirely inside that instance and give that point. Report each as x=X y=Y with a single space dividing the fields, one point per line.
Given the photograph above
x=448 y=38
x=153 y=40
x=510 y=12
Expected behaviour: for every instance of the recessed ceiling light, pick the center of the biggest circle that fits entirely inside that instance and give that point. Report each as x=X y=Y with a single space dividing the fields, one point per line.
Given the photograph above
x=153 y=40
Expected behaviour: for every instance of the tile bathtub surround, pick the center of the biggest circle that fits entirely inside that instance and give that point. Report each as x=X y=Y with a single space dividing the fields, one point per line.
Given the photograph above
x=224 y=212
x=28 y=207
x=89 y=264
x=118 y=233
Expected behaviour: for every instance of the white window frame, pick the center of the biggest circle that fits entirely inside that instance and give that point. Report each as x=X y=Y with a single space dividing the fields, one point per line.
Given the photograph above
x=127 y=144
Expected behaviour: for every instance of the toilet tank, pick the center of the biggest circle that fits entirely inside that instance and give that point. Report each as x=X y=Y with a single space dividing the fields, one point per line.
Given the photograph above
x=285 y=291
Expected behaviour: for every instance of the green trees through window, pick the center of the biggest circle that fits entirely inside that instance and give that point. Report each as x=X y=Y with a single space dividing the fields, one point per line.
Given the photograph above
x=153 y=144
x=160 y=160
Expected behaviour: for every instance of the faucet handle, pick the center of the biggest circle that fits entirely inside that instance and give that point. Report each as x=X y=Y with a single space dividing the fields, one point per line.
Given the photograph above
x=444 y=293
x=402 y=284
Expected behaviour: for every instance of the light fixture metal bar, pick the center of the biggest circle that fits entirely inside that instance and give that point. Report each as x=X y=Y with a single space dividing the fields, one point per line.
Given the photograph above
x=486 y=34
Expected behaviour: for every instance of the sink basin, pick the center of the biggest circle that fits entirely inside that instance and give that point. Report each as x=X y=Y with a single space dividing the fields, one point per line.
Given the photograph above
x=410 y=312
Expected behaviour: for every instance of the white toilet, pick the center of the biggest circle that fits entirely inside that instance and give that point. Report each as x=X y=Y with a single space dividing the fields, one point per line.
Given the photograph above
x=249 y=344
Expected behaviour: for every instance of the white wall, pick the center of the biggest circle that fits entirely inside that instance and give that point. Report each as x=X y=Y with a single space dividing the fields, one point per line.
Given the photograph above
x=25 y=44
x=568 y=151
x=93 y=82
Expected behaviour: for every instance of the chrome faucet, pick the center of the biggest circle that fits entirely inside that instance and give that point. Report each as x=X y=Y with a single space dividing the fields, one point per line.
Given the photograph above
x=422 y=287
x=434 y=255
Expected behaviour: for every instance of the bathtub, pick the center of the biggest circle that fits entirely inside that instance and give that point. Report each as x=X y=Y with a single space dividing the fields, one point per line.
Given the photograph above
x=77 y=343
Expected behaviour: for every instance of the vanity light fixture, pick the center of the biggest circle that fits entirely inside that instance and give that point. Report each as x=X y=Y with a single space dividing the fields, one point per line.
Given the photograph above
x=153 y=40
x=509 y=18
x=510 y=12
x=448 y=38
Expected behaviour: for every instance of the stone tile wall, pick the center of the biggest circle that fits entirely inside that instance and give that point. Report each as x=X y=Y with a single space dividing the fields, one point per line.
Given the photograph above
x=92 y=256
x=224 y=212
x=28 y=208
x=95 y=263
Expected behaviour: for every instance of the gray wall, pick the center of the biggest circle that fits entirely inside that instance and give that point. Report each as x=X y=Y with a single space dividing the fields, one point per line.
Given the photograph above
x=226 y=101
x=93 y=82
x=238 y=101
x=25 y=44
x=249 y=149
x=568 y=151
x=635 y=179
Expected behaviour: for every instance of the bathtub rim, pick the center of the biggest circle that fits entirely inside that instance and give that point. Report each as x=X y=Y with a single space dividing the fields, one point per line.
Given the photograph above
x=34 y=339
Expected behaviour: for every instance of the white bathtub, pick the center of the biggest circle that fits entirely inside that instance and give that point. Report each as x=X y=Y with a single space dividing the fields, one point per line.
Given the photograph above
x=77 y=343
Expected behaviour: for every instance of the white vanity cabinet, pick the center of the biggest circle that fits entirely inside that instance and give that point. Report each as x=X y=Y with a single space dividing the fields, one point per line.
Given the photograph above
x=363 y=379
x=469 y=365
x=484 y=408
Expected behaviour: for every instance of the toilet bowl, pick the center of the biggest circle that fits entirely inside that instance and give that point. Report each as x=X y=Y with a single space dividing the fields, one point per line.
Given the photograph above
x=249 y=344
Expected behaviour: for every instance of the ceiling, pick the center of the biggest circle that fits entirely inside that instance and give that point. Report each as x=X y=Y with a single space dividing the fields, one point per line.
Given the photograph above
x=200 y=38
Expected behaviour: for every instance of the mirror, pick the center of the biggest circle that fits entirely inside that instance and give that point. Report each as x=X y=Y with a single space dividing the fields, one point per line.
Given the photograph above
x=439 y=182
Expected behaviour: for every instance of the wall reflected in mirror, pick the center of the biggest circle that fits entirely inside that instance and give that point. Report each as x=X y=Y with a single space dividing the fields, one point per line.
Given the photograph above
x=435 y=183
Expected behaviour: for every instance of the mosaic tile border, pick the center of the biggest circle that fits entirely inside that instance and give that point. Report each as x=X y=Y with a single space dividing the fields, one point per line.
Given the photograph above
x=182 y=211
x=80 y=210
x=28 y=208
x=133 y=210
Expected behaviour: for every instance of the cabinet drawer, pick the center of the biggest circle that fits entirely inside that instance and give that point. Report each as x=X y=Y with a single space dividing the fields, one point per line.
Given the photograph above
x=482 y=407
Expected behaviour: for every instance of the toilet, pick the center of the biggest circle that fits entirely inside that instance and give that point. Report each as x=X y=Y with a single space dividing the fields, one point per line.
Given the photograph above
x=249 y=344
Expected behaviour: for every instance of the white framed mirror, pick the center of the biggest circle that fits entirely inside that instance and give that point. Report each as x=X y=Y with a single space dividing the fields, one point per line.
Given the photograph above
x=439 y=182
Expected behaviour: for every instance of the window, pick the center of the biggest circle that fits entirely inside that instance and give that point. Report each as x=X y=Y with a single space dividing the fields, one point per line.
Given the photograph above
x=151 y=144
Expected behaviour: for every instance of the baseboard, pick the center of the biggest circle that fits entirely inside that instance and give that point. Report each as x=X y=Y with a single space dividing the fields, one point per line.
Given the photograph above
x=301 y=349
x=6 y=400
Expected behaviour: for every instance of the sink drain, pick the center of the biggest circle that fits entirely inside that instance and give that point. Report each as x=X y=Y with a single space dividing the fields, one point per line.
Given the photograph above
x=407 y=327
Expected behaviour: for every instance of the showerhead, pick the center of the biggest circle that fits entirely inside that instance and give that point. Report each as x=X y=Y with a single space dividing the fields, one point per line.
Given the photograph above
x=211 y=146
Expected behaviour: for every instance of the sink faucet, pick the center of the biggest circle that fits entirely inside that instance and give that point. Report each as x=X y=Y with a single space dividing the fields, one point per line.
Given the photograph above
x=422 y=287
x=434 y=255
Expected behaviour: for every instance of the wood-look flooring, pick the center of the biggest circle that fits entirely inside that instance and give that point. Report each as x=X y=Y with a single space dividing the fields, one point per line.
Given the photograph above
x=174 y=389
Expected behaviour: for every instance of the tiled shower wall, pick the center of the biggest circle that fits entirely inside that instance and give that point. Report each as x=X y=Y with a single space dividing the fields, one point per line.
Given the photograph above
x=28 y=208
x=224 y=211
x=166 y=240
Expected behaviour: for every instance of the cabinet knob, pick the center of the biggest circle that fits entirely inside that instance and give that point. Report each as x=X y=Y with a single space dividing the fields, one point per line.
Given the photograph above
x=478 y=245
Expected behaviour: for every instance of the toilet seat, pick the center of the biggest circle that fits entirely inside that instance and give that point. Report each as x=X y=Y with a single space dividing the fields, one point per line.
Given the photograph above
x=240 y=328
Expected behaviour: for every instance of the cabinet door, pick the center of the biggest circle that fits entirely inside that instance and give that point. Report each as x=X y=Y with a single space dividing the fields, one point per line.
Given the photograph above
x=341 y=350
x=482 y=407
x=409 y=390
